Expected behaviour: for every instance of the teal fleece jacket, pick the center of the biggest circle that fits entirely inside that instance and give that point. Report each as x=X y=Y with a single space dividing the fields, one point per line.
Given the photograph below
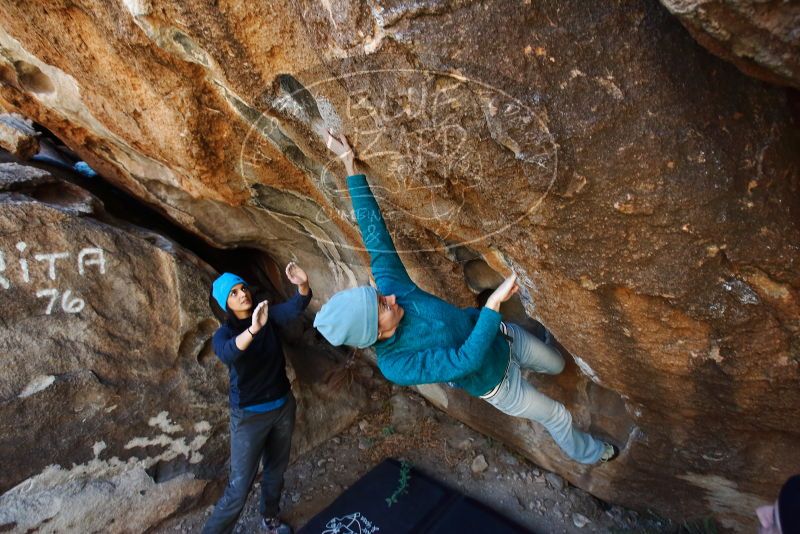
x=435 y=341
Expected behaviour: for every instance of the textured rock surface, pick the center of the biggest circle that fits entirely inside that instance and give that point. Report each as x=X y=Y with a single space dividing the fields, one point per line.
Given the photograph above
x=114 y=410
x=17 y=136
x=760 y=37
x=110 y=400
x=645 y=191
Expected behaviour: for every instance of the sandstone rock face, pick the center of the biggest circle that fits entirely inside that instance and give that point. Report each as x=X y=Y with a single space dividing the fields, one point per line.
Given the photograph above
x=115 y=409
x=761 y=38
x=645 y=192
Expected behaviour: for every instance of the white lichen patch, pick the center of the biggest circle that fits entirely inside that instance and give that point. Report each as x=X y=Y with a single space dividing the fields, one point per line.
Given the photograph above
x=36 y=385
x=98 y=447
x=196 y=456
x=587 y=283
x=714 y=354
x=173 y=446
x=202 y=427
x=163 y=422
x=163 y=441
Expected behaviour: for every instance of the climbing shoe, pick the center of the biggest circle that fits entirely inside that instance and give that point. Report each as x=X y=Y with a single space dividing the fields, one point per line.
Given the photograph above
x=610 y=452
x=273 y=525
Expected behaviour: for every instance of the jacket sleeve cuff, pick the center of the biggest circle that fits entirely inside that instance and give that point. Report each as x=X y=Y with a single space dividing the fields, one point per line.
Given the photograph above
x=489 y=314
x=305 y=299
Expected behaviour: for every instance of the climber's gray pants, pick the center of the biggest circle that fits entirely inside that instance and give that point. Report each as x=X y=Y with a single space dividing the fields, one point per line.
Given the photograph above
x=255 y=436
x=515 y=396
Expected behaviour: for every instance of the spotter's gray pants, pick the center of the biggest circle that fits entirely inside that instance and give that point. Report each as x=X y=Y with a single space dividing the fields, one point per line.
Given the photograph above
x=255 y=436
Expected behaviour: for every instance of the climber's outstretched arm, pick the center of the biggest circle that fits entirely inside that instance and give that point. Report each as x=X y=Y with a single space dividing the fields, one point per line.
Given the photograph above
x=387 y=269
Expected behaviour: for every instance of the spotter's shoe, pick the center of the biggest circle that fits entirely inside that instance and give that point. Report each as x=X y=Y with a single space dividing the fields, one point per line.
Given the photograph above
x=273 y=525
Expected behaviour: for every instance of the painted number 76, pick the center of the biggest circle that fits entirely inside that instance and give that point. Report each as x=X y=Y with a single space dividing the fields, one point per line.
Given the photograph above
x=68 y=304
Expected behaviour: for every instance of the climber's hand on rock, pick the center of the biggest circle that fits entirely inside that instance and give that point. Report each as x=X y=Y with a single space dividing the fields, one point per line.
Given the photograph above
x=298 y=277
x=503 y=292
x=338 y=144
x=296 y=274
x=348 y=156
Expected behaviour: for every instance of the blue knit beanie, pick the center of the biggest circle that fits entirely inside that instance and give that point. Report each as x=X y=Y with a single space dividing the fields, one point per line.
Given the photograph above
x=350 y=318
x=222 y=286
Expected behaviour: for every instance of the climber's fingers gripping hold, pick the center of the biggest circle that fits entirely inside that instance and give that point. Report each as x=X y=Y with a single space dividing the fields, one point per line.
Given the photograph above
x=503 y=292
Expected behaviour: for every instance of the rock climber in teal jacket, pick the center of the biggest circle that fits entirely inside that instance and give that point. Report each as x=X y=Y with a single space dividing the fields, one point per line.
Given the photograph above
x=421 y=339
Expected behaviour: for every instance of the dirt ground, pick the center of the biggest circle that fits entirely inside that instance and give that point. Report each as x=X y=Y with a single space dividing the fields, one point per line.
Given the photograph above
x=402 y=425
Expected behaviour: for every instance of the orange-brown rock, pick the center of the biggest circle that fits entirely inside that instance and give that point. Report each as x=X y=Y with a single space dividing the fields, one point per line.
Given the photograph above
x=645 y=192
